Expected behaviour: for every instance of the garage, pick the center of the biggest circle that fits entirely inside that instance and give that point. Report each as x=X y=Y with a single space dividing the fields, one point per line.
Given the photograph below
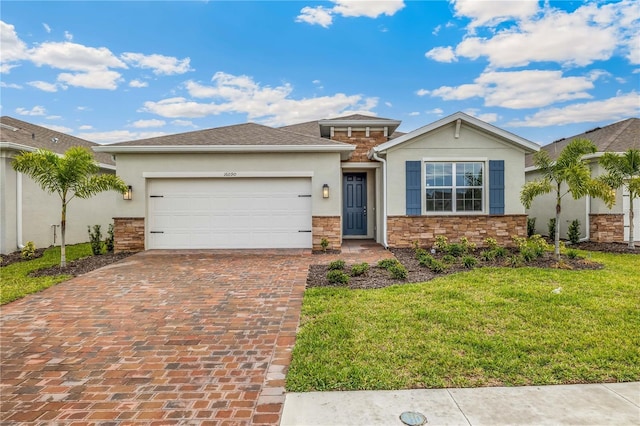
x=229 y=213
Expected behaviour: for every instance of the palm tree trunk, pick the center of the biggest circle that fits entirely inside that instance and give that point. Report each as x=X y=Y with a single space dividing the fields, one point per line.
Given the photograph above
x=632 y=244
x=63 y=229
x=556 y=237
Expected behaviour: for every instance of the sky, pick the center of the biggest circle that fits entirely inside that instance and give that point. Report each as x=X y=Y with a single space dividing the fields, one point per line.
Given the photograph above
x=124 y=70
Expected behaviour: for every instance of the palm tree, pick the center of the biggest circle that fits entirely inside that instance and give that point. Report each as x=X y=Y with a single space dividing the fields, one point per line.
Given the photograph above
x=75 y=174
x=624 y=171
x=568 y=174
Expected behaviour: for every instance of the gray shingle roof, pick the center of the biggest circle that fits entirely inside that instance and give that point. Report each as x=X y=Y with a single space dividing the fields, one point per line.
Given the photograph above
x=34 y=136
x=311 y=128
x=240 y=134
x=361 y=117
x=616 y=137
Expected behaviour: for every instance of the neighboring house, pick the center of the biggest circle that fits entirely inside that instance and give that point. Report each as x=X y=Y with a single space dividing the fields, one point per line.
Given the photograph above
x=597 y=222
x=252 y=186
x=27 y=213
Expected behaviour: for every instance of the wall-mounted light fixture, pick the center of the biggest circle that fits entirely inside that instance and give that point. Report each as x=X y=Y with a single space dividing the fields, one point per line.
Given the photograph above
x=325 y=191
x=129 y=194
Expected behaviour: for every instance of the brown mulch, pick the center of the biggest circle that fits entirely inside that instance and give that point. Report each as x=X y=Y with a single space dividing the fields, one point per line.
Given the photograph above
x=16 y=256
x=607 y=247
x=378 y=278
x=82 y=266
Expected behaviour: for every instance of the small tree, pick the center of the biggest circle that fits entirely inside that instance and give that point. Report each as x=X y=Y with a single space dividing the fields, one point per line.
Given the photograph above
x=75 y=174
x=568 y=174
x=623 y=171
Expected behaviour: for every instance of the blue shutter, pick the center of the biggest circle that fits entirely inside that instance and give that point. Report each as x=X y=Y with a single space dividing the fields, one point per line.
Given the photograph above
x=414 y=200
x=496 y=186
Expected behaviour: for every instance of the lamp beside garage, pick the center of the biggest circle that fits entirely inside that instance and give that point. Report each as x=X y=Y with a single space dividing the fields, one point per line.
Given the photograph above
x=129 y=194
x=325 y=191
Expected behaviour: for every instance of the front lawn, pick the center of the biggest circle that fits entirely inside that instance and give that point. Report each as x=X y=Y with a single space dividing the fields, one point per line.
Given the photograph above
x=486 y=327
x=15 y=282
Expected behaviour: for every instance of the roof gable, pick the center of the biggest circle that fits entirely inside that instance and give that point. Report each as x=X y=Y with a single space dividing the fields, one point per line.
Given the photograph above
x=616 y=137
x=21 y=133
x=518 y=141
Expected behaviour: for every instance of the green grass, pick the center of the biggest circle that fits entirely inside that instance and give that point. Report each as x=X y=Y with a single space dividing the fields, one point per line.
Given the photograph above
x=486 y=327
x=15 y=284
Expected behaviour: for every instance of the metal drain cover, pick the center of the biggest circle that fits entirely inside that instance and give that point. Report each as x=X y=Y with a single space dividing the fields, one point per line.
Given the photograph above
x=413 y=418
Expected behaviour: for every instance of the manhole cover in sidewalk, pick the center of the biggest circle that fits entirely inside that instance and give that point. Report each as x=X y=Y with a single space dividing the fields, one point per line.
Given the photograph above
x=413 y=418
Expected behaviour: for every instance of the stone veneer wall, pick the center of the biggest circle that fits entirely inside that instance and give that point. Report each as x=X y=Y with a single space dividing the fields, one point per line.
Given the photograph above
x=402 y=231
x=361 y=141
x=128 y=234
x=329 y=227
x=606 y=228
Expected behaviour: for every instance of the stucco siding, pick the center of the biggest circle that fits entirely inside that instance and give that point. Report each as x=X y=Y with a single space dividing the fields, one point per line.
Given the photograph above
x=325 y=168
x=7 y=206
x=441 y=144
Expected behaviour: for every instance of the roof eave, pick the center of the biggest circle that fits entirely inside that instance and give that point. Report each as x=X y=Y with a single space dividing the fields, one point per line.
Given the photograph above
x=344 y=149
x=527 y=145
x=11 y=146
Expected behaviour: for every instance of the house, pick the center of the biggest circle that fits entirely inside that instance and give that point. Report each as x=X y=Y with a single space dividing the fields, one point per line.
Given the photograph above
x=597 y=222
x=253 y=186
x=27 y=213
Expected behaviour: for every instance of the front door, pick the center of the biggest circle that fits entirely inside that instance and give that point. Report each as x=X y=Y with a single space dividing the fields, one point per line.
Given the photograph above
x=355 y=204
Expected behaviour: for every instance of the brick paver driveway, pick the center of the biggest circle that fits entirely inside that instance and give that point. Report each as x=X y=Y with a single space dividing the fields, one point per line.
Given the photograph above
x=161 y=337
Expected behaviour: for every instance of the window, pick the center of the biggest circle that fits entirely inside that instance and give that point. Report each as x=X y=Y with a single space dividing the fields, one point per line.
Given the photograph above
x=454 y=187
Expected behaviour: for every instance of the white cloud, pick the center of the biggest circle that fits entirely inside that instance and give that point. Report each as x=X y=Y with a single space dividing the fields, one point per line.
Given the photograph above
x=117 y=136
x=488 y=117
x=36 y=110
x=442 y=54
x=521 y=89
x=68 y=36
x=490 y=13
x=161 y=65
x=436 y=30
x=414 y=114
x=13 y=49
x=10 y=85
x=389 y=104
x=612 y=109
x=85 y=127
x=183 y=123
x=44 y=86
x=83 y=108
x=143 y=124
x=74 y=57
x=315 y=16
x=54 y=117
x=269 y=105
x=436 y=111
x=138 y=83
x=61 y=129
x=47 y=28
x=591 y=33
x=323 y=16
x=99 y=79
x=316 y=82
x=422 y=92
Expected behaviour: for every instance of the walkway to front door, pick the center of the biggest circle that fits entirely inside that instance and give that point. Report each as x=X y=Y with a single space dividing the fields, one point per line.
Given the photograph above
x=355 y=204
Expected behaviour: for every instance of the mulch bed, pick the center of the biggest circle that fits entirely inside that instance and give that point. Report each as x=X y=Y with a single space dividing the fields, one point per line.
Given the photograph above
x=16 y=256
x=82 y=266
x=607 y=247
x=378 y=278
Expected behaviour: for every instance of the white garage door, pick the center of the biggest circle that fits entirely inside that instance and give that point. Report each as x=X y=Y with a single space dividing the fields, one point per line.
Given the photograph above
x=229 y=213
x=636 y=217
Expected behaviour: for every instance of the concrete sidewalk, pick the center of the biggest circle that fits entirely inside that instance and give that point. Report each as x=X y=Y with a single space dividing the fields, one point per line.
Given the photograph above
x=594 y=404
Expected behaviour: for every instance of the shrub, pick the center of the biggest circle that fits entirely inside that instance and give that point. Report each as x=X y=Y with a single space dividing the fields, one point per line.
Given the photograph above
x=488 y=255
x=433 y=264
x=441 y=243
x=109 y=241
x=491 y=243
x=500 y=251
x=573 y=254
x=398 y=271
x=447 y=258
x=420 y=252
x=29 y=250
x=359 y=269
x=324 y=243
x=337 y=265
x=515 y=260
x=531 y=226
x=388 y=263
x=538 y=244
x=337 y=277
x=574 y=232
x=467 y=245
x=469 y=262
x=552 y=227
x=95 y=237
x=456 y=249
x=425 y=260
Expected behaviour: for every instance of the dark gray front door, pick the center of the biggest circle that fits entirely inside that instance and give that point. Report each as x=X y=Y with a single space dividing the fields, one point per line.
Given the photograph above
x=355 y=204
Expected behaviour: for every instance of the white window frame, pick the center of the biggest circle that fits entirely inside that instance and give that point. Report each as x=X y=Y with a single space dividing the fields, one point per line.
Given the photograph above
x=454 y=161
